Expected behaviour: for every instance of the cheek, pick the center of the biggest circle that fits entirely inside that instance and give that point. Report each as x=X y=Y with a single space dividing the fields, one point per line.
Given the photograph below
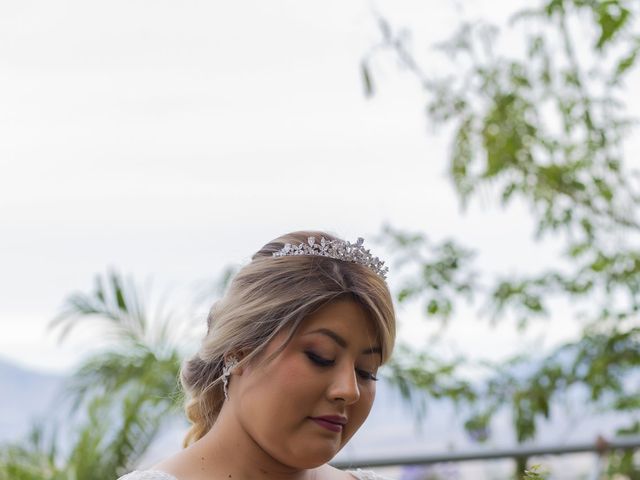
x=286 y=389
x=296 y=380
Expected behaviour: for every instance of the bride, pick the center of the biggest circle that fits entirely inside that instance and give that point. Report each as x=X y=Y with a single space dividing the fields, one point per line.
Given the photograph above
x=286 y=373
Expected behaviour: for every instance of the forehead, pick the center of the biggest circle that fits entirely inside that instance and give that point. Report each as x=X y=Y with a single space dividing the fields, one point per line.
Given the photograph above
x=346 y=317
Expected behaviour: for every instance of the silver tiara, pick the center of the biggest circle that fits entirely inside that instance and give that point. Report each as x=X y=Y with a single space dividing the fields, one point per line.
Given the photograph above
x=338 y=249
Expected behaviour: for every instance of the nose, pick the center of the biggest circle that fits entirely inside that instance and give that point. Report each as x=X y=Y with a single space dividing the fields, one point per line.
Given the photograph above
x=344 y=384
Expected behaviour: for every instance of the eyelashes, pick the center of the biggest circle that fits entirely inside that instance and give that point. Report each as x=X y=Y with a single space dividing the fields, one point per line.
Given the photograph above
x=367 y=375
x=323 y=362
x=318 y=360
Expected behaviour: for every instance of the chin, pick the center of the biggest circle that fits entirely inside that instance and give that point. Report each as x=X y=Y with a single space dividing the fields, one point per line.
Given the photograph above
x=309 y=462
x=314 y=458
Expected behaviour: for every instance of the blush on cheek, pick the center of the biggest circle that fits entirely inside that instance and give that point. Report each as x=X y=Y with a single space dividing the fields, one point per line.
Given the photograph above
x=296 y=376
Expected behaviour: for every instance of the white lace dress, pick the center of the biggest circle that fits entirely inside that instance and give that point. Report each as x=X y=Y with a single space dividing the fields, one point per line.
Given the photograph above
x=158 y=475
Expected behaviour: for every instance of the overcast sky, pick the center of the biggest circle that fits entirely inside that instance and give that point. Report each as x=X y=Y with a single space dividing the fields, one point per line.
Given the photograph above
x=169 y=139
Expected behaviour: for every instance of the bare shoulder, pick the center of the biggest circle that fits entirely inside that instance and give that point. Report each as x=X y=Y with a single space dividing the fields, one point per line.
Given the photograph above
x=147 y=475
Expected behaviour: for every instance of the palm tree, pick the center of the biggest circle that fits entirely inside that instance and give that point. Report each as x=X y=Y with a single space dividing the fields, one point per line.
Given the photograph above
x=124 y=393
x=142 y=354
x=105 y=445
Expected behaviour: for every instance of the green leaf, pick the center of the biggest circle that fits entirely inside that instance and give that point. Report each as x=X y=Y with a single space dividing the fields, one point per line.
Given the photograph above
x=611 y=17
x=626 y=63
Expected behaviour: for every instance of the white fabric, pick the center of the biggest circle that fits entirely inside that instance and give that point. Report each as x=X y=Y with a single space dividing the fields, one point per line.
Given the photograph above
x=147 y=475
x=367 y=475
x=158 y=475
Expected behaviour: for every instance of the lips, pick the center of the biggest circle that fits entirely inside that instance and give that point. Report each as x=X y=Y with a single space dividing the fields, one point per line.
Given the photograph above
x=333 y=423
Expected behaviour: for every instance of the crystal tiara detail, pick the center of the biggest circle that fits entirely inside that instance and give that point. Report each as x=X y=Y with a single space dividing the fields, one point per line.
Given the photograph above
x=338 y=249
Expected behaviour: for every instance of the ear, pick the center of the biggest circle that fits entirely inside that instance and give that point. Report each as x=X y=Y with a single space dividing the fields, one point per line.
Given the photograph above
x=239 y=355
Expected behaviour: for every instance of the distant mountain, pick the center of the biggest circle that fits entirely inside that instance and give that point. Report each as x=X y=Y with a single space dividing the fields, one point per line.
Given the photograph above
x=27 y=395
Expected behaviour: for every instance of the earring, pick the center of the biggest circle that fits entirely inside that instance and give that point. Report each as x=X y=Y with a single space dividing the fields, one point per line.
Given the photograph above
x=226 y=373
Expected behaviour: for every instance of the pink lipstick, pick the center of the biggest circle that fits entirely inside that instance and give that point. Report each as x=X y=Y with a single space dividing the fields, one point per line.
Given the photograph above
x=333 y=423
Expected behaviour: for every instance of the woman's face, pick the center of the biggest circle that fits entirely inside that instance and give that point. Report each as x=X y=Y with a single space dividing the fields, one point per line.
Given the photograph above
x=328 y=369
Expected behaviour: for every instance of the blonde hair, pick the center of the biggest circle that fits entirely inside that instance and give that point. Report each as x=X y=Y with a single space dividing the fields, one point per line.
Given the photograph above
x=265 y=297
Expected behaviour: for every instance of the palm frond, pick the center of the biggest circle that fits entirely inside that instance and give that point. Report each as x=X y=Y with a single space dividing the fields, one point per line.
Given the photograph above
x=108 y=442
x=115 y=435
x=33 y=459
x=114 y=301
x=106 y=374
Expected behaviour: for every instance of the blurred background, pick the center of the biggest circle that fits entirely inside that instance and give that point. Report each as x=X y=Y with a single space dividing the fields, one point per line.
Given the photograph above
x=487 y=150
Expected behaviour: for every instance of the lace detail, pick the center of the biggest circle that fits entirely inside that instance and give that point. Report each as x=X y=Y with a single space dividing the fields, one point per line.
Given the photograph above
x=158 y=475
x=147 y=475
x=366 y=475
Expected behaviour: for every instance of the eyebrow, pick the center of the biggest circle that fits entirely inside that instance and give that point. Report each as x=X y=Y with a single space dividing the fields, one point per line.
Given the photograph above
x=342 y=342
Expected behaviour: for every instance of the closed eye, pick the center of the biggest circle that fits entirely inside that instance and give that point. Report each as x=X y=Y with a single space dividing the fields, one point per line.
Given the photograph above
x=323 y=362
x=367 y=375
x=318 y=360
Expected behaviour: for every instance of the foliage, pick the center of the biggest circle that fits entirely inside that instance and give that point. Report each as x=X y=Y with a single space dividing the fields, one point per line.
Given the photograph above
x=143 y=352
x=542 y=122
x=409 y=369
x=534 y=473
x=126 y=391
x=626 y=463
x=106 y=444
x=34 y=459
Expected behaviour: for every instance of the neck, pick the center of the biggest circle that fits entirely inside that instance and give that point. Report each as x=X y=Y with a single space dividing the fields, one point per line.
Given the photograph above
x=229 y=452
